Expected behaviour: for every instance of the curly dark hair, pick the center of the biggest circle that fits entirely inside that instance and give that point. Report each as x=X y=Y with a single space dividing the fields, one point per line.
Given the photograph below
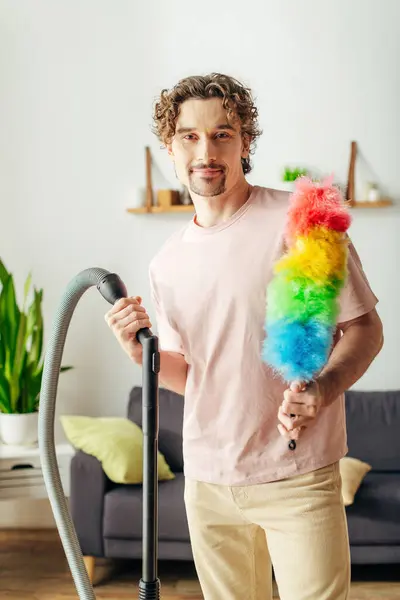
x=236 y=99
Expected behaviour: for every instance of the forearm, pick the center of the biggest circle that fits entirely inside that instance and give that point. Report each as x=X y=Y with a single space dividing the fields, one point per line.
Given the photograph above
x=173 y=371
x=360 y=343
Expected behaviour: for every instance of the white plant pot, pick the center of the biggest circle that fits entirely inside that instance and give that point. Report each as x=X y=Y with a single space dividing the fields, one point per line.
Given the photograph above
x=19 y=429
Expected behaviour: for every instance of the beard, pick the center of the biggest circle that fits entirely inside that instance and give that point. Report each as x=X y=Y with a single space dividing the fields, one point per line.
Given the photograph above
x=208 y=186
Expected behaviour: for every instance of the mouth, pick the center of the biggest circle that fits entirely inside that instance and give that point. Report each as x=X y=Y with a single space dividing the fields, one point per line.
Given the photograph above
x=207 y=173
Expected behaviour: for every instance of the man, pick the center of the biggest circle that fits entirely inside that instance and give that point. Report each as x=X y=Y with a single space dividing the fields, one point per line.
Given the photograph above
x=251 y=502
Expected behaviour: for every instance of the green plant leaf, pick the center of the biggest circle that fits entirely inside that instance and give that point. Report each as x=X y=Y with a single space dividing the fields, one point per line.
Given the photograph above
x=10 y=314
x=35 y=328
x=293 y=174
x=2 y=343
x=2 y=351
x=33 y=389
x=27 y=287
x=19 y=360
x=5 y=331
x=5 y=405
x=4 y=274
x=33 y=368
x=13 y=319
x=28 y=389
x=22 y=339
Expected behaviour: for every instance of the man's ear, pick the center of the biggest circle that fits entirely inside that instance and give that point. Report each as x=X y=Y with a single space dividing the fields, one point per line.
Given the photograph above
x=246 y=140
x=170 y=151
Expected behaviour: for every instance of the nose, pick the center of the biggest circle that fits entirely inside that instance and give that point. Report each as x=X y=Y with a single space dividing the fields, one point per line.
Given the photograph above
x=206 y=151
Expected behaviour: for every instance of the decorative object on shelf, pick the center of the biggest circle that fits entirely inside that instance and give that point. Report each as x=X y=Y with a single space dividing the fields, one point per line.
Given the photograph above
x=373 y=198
x=21 y=361
x=372 y=193
x=185 y=197
x=167 y=198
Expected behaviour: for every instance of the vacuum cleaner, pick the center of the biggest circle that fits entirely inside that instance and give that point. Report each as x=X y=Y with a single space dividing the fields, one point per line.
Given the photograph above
x=112 y=289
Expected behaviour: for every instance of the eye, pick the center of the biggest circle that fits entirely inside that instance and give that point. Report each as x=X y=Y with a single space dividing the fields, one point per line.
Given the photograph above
x=222 y=136
x=189 y=137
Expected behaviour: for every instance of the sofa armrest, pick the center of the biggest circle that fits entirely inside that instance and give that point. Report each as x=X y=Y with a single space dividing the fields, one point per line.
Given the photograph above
x=88 y=486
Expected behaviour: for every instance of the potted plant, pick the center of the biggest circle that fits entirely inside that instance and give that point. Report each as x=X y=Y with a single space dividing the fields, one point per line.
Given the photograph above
x=21 y=361
x=290 y=175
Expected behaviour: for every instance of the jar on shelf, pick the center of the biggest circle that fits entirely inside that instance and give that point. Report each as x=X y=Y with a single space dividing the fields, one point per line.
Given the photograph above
x=186 y=200
x=372 y=192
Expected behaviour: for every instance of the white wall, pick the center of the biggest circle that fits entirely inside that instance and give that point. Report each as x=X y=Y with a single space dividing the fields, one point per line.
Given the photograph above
x=77 y=84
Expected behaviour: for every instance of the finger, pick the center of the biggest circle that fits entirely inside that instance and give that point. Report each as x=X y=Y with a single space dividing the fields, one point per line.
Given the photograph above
x=297 y=393
x=285 y=419
x=289 y=435
x=140 y=321
x=134 y=327
x=135 y=317
x=130 y=312
x=302 y=421
x=297 y=408
x=113 y=316
x=298 y=386
x=292 y=396
x=123 y=303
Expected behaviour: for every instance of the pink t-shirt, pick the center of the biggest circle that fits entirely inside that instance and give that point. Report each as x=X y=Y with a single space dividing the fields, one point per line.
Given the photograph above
x=209 y=292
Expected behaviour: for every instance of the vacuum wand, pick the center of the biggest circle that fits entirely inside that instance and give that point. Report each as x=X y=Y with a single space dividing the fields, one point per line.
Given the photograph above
x=112 y=289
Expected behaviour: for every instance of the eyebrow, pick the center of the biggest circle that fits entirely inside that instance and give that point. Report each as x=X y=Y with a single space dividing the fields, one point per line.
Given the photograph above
x=224 y=126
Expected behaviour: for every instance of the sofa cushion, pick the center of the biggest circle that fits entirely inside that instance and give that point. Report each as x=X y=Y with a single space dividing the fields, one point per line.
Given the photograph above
x=123 y=511
x=170 y=423
x=373 y=423
x=116 y=442
x=374 y=516
x=352 y=472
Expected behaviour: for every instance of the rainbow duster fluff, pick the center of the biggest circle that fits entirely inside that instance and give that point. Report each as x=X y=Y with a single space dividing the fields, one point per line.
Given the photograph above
x=302 y=297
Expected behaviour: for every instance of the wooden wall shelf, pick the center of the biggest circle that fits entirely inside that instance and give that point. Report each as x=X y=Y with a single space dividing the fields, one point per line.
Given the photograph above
x=378 y=204
x=176 y=208
x=167 y=200
x=350 y=192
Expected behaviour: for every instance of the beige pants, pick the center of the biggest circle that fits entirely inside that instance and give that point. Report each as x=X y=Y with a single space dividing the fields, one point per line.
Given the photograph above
x=297 y=526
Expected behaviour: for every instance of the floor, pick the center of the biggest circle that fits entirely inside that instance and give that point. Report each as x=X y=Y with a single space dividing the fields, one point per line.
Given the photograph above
x=33 y=567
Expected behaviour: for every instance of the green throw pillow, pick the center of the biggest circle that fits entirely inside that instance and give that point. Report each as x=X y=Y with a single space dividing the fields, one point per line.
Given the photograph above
x=116 y=442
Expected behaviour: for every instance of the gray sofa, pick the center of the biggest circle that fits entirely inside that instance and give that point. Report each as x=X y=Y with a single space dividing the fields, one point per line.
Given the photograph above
x=107 y=517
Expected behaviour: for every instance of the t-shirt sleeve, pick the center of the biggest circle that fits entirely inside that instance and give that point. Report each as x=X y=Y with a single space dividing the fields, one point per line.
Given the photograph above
x=169 y=338
x=357 y=297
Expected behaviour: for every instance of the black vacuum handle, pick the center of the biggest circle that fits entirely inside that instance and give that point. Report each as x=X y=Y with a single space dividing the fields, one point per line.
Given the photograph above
x=112 y=288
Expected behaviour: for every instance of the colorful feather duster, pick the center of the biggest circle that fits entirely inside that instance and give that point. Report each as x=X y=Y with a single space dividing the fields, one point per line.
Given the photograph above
x=302 y=297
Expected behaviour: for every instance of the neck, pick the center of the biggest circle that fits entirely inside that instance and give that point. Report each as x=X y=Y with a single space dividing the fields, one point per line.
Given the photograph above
x=214 y=210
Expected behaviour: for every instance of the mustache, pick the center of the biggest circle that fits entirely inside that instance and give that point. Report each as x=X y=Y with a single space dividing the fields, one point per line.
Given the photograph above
x=212 y=166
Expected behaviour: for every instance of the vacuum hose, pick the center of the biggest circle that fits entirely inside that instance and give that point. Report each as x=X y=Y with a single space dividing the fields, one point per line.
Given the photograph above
x=112 y=289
